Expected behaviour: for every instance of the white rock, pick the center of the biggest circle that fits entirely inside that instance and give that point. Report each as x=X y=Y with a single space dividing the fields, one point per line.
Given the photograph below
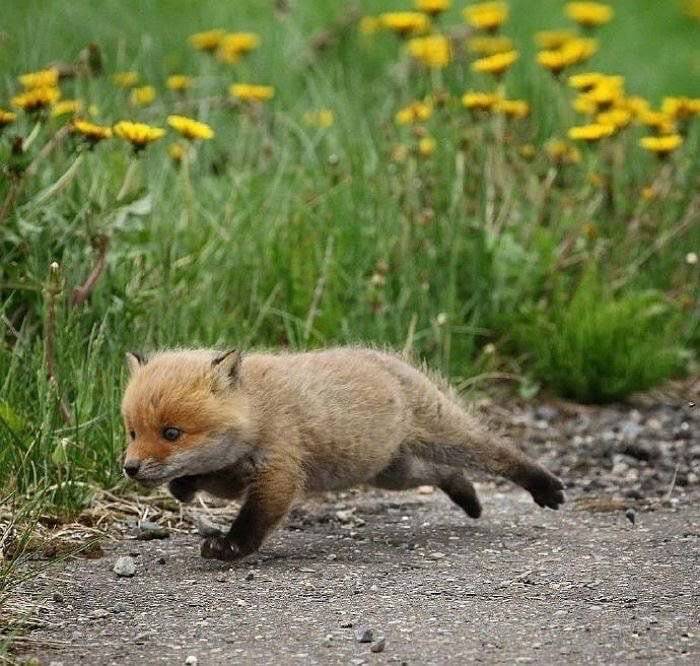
x=125 y=567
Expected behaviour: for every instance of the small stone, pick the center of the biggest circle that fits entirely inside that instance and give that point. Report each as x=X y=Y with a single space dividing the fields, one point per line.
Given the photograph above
x=221 y=578
x=363 y=634
x=55 y=663
x=98 y=613
x=332 y=557
x=379 y=645
x=683 y=431
x=125 y=567
x=146 y=531
x=546 y=413
x=191 y=660
x=436 y=556
x=345 y=516
x=161 y=560
x=346 y=624
x=630 y=430
x=425 y=490
x=58 y=597
x=249 y=576
x=631 y=515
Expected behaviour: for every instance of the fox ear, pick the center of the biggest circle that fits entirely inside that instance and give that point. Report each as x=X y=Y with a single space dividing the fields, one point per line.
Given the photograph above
x=228 y=366
x=134 y=361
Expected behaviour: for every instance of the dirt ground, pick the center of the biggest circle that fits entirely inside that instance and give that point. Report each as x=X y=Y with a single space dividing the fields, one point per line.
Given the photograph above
x=612 y=578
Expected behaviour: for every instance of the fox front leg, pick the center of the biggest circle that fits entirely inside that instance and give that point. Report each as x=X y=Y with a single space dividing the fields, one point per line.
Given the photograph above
x=268 y=500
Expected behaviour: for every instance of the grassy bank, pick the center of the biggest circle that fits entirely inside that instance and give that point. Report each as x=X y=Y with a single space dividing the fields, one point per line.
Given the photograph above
x=470 y=239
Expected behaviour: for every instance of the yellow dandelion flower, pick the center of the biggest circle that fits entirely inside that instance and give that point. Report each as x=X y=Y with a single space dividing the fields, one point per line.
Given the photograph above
x=322 y=118
x=527 y=151
x=680 y=108
x=36 y=99
x=125 y=79
x=659 y=121
x=139 y=135
x=661 y=145
x=590 y=133
x=480 y=101
x=496 y=64
x=605 y=94
x=585 y=81
x=6 y=118
x=553 y=60
x=513 y=108
x=589 y=14
x=176 y=152
x=635 y=105
x=405 y=23
x=433 y=51
x=433 y=7
x=416 y=112
x=248 y=92
x=370 y=24
x=143 y=96
x=486 y=15
x=648 y=193
x=208 y=40
x=189 y=128
x=561 y=152
x=179 y=82
x=44 y=78
x=234 y=45
x=426 y=146
x=66 y=106
x=485 y=45
x=618 y=117
x=91 y=132
x=553 y=39
x=585 y=105
x=571 y=53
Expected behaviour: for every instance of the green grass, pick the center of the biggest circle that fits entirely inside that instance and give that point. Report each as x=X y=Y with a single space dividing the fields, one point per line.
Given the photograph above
x=280 y=234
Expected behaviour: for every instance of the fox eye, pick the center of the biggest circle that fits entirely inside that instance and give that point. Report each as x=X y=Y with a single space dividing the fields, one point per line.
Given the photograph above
x=171 y=434
x=132 y=434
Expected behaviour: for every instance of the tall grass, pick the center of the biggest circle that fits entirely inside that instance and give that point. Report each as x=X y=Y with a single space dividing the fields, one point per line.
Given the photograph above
x=281 y=234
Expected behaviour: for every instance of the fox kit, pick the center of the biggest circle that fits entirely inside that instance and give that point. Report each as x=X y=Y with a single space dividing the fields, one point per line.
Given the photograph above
x=272 y=427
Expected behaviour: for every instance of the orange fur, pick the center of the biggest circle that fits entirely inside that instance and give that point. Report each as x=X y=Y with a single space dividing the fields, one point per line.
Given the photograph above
x=285 y=424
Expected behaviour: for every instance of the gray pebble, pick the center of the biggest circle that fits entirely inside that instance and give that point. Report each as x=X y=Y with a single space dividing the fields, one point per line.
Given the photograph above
x=148 y=530
x=58 y=597
x=191 y=660
x=631 y=515
x=346 y=624
x=363 y=634
x=98 y=613
x=125 y=567
x=379 y=645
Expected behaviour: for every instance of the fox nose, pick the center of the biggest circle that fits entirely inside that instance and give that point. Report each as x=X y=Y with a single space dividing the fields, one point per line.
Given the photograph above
x=131 y=467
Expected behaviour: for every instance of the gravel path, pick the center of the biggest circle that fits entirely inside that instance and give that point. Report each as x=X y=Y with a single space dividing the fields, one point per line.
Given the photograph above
x=612 y=578
x=520 y=585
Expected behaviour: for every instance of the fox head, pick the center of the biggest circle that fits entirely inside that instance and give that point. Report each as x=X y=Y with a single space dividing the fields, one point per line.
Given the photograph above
x=185 y=413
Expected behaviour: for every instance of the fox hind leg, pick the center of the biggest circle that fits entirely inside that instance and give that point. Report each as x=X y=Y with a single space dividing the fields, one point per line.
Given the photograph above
x=409 y=471
x=461 y=491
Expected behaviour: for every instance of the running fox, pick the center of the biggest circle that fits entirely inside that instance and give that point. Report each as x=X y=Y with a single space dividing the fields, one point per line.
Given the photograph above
x=275 y=426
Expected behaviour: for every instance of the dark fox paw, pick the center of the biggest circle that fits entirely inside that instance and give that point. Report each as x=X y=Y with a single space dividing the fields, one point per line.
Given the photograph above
x=220 y=548
x=183 y=488
x=545 y=488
